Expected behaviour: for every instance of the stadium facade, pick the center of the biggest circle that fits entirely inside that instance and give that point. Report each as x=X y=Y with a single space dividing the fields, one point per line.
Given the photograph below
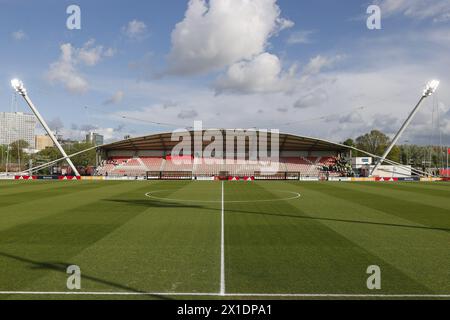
x=153 y=156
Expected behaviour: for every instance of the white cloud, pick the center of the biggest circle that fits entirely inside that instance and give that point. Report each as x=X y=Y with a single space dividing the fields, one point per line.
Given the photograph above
x=372 y=89
x=439 y=36
x=91 y=55
x=300 y=37
x=220 y=34
x=116 y=98
x=425 y=128
x=110 y=52
x=135 y=30
x=331 y=104
x=215 y=34
x=318 y=63
x=107 y=133
x=316 y=97
x=386 y=95
x=443 y=17
x=18 y=35
x=187 y=114
x=386 y=123
x=437 y=10
x=350 y=118
x=65 y=71
x=263 y=74
x=284 y=24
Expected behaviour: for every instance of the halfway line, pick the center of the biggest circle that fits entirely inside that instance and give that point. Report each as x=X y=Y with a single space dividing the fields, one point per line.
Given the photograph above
x=222 y=246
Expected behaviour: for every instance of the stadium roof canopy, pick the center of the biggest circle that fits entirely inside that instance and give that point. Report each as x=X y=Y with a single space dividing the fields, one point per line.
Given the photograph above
x=163 y=142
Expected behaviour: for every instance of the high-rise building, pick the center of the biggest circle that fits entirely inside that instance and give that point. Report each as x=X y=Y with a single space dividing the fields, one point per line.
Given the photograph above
x=17 y=126
x=43 y=142
x=94 y=138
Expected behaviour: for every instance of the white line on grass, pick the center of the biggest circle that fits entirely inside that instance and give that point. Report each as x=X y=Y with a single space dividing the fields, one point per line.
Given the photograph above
x=209 y=294
x=150 y=195
x=222 y=247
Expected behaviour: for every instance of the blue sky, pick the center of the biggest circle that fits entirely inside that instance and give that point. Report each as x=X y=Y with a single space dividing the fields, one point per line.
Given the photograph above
x=312 y=68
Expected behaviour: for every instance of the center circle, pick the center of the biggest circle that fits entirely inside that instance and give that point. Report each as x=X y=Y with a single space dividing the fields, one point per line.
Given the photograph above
x=293 y=196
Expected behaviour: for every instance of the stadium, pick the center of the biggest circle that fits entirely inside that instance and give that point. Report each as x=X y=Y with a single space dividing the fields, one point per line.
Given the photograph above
x=151 y=157
x=118 y=197
x=229 y=213
x=226 y=214
x=200 y=229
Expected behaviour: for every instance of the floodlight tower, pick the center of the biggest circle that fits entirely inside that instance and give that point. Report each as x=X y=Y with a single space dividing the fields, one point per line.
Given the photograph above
x=429 y=90
x=20 y=88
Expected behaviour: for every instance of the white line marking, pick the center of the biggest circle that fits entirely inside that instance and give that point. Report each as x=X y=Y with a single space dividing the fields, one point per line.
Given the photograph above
x=210 y=294
x=222 y=248
x=151 y=196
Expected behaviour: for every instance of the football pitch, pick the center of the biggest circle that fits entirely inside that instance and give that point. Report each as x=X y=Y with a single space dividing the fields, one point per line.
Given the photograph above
x=213 y=240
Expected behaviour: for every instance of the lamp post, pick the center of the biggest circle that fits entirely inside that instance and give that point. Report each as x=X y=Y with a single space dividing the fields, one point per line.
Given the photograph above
x=447 y=169
x=429 y=90
x=20 y=88
x=407 y=152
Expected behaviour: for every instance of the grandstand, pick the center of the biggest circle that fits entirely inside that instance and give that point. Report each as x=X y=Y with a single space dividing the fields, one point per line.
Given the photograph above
x=298 y=156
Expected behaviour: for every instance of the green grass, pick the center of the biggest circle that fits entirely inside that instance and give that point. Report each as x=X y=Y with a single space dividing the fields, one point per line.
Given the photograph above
x=320 y=243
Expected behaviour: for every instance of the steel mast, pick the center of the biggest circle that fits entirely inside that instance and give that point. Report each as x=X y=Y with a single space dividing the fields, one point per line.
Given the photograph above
x=19 y=87
x=429 y=90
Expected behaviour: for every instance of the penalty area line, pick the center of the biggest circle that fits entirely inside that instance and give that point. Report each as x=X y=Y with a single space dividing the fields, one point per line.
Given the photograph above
x=194 y=294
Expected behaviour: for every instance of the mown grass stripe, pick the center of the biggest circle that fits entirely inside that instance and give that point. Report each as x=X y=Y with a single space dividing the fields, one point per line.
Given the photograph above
x=410 y=190
x=409 y=209
x=167 y=246
x=396 y=242
x=264 y=241
x=48 y=244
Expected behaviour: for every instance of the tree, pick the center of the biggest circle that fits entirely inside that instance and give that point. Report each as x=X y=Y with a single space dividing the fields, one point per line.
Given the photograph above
x=45 y=156
x=48 y=154
x=419 y=156
x=394 y=155
x=349 y=142
x=3 y=150
x=82 y=160
x=376 y=142
x=17 y=153
x=86 y=158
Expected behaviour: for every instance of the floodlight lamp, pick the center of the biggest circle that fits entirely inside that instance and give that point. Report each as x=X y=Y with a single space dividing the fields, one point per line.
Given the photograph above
x=18 y=86
x=431 y=88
